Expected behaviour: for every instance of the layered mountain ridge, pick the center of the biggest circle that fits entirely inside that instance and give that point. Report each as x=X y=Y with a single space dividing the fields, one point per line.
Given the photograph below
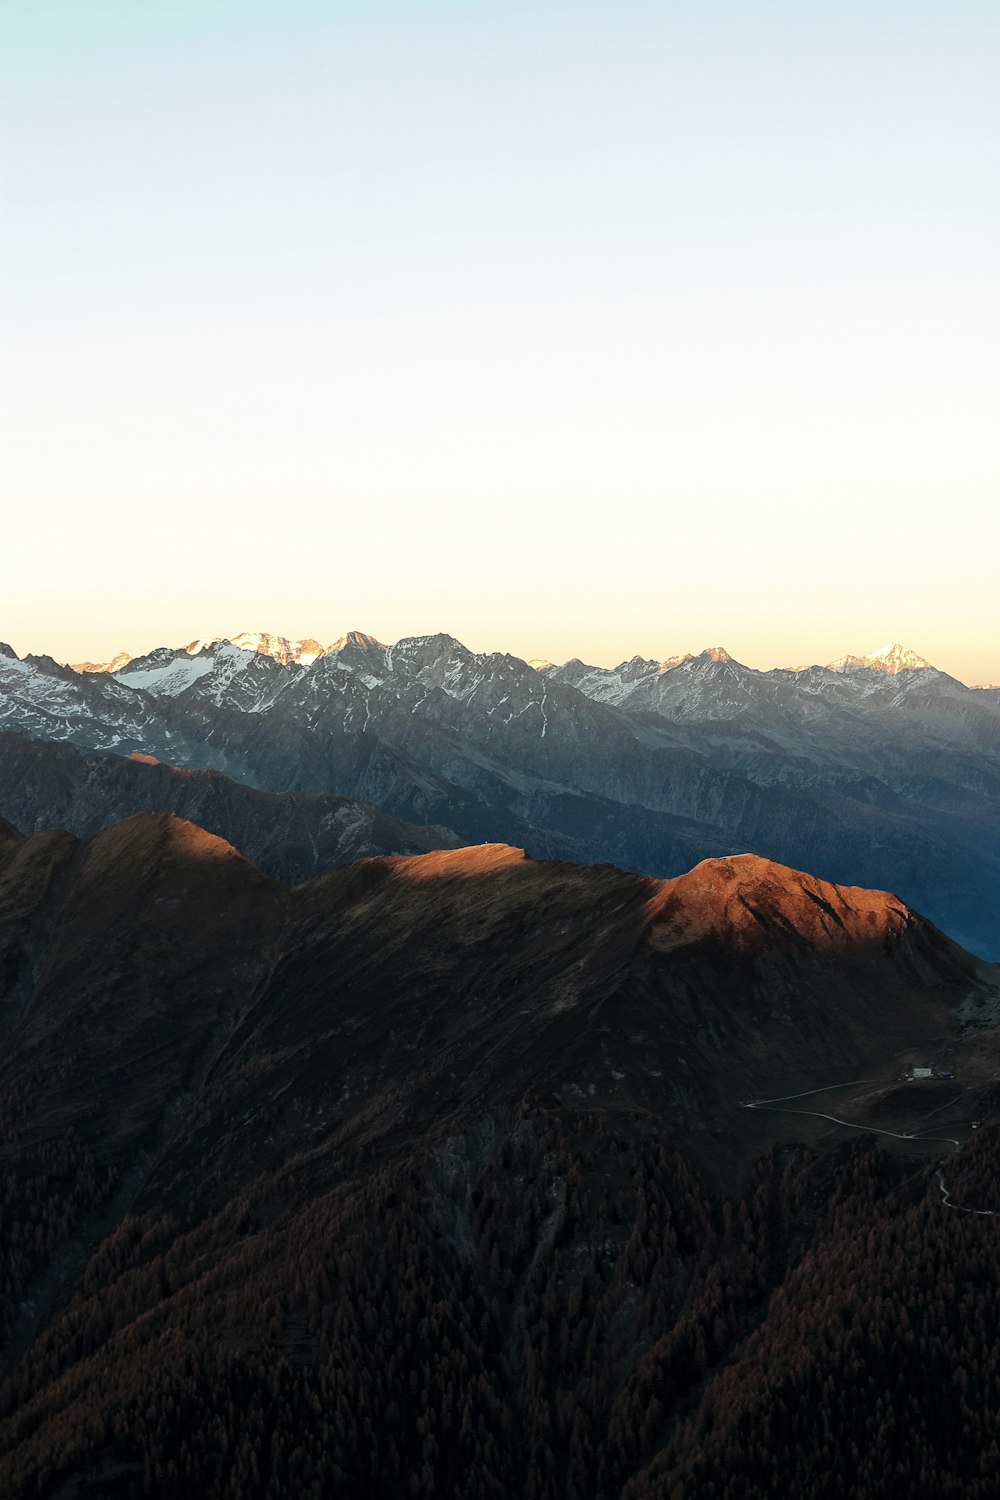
x=892 y=658
x=672 y=685
x=290 y=836
x=881 y=772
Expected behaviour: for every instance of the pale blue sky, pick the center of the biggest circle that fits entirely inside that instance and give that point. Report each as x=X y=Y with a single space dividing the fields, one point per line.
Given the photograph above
x=567 y=328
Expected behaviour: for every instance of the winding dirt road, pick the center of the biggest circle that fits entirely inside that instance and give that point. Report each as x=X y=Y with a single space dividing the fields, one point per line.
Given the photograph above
x=775 y=1106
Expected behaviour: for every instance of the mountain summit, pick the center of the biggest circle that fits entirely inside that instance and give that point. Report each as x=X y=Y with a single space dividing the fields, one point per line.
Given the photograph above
x=884 y=773
x=278 y=647
x=893 y=658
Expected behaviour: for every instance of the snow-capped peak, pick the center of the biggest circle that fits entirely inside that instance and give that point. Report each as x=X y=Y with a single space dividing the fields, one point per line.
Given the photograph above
x=713 y=654
x=356 y=638
x=279 y=648
x=164 y=672
x=114 y=665
x=359 y=654
x=635 y=668
x=893 y=659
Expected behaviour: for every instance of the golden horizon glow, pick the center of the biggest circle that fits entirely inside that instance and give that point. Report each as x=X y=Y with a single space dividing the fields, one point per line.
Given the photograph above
x=578 y=330
x=604 y=660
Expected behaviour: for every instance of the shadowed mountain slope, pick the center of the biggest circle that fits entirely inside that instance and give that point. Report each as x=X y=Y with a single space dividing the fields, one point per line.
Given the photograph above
x=290 y=836
x=295 y=835
x=415 y=965
x=395 y=1181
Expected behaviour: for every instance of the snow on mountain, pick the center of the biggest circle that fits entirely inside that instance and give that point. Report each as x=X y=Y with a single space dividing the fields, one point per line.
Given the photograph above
x=279 y=648
x=114 y=665
x=642 y=681
x=603 y=684
x=222 y=672
x=430 y=661
x=714 y=685
x=436 y=679
x=253 y=670
x=358 y=653
x=42 y=698
x=893 y=658
x=846 y=762
x=710 y=685
x=165 y=672
x=366 y=656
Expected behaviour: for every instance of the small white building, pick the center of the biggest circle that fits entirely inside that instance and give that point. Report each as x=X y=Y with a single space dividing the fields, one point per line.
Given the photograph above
x=922 y=1073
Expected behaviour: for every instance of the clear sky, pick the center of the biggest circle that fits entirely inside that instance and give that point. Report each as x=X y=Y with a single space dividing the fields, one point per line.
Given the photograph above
x=571 y=329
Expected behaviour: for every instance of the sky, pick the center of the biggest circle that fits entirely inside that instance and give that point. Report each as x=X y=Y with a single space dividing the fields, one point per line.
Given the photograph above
x=569 y=329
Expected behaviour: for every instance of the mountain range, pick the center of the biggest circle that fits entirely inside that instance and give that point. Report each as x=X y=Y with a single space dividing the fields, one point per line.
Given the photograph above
x=892 y=658
x=433 y=1177
x=878 y=770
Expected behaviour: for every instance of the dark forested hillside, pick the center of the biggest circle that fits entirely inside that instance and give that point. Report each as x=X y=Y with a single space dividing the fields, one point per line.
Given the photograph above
x=432 y=1178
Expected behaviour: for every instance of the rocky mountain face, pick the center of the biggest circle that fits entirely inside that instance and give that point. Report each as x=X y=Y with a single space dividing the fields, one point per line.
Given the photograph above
x=585 y=977
x=877 y=770
x=431 y=1176
x=278 y=647
x=114 y=665
x=290 y=836
x=712 y=685
x=892 y=659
